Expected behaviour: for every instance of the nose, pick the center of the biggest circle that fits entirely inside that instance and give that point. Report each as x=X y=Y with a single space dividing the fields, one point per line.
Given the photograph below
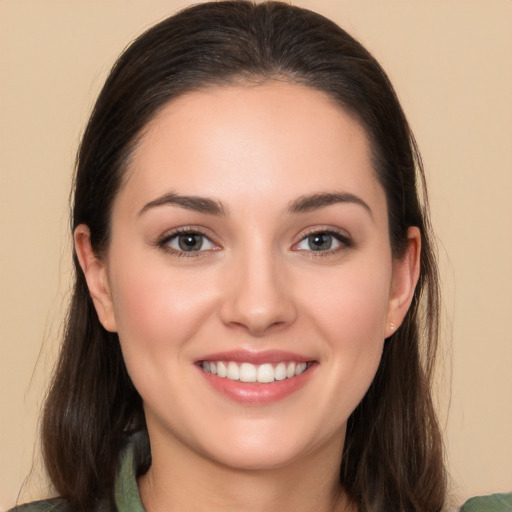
x=258 y=296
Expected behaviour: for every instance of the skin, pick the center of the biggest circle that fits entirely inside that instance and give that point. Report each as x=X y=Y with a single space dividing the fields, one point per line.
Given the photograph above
x=256 y=284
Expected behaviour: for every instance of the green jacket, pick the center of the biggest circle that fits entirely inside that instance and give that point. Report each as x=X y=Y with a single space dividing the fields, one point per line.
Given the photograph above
x=137 y=454
x=493 y=503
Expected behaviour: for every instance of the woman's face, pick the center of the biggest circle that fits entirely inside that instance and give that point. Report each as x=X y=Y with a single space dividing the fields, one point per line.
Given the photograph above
x=250 y=241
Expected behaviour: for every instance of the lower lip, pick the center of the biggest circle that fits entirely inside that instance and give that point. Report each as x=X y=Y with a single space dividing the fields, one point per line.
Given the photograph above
x=256 y=393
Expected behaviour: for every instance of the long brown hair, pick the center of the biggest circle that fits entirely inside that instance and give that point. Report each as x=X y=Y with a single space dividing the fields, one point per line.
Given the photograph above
x=392 y=456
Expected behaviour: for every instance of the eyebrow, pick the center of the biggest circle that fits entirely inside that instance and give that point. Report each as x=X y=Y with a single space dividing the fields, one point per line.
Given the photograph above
x=312 y=202
x=195 y=203
x=303 y=204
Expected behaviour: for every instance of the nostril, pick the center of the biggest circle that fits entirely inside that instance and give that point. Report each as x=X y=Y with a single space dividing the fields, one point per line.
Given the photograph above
x=256 y=298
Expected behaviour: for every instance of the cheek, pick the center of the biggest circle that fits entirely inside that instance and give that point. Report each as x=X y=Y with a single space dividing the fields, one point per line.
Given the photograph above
x=352 y=304
x=158 y=310
x=350 y=312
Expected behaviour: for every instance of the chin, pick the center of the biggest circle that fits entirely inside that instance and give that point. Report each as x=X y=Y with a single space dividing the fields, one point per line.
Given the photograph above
x=270 y=447
x=261 y=457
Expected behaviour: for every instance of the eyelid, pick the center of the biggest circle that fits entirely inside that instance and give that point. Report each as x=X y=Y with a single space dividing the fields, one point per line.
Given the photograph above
x=163 y=241
x=340 y=235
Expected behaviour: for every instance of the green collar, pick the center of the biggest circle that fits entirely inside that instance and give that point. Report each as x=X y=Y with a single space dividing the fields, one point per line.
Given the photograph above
x=135 y=457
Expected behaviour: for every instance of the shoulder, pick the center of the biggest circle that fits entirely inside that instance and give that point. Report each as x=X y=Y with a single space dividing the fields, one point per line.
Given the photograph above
x=492 y=503
x=50 y=505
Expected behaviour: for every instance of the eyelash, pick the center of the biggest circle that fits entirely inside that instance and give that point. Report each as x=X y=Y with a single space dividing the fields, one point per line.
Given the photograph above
x=163 y=243
x=344 y=240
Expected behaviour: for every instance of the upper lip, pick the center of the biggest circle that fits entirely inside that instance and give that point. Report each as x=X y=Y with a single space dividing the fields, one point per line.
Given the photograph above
x=256 y=357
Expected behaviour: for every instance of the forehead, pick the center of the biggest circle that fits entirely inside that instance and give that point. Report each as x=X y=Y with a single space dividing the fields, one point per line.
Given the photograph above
x=252 y=141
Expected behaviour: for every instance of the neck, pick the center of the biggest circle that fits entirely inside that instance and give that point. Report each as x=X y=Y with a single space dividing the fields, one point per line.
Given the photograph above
x=188 y=481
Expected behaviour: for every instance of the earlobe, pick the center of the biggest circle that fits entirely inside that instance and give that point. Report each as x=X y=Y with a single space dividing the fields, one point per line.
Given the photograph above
x=406 y=272
x=95 y=272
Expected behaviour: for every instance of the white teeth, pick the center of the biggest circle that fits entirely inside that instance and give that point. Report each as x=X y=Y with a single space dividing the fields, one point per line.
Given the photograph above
x=280 y=372
x=222 y=371
x=233 y=371
x=265 y=373
x=247 y=372
x=300 y=368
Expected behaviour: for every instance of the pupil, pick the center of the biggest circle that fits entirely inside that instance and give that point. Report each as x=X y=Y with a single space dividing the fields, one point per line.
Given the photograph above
x=190 y=242
x=319 y=242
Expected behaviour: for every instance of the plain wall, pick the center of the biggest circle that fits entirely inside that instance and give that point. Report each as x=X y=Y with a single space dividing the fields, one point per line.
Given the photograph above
x=450 y=61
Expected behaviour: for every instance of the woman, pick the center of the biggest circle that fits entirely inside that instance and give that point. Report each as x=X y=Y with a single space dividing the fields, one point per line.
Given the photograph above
x=254 y=271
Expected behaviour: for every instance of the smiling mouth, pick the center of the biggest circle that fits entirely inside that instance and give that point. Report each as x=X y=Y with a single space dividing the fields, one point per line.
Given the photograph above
x=247 y=372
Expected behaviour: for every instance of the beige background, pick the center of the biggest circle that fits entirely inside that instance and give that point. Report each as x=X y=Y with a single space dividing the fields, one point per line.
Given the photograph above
x=450 y=61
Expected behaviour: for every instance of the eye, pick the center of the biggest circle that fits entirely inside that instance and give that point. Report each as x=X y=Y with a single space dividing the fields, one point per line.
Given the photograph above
x=188 y=241
x=323 y=241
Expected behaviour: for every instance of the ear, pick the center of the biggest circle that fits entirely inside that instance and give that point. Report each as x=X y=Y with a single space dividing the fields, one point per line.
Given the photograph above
x=95 y=272
x=406 y=272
